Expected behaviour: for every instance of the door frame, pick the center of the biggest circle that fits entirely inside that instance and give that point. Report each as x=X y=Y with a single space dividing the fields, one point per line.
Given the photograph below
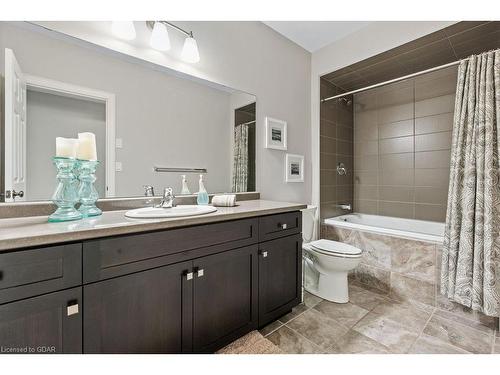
x=51 y=86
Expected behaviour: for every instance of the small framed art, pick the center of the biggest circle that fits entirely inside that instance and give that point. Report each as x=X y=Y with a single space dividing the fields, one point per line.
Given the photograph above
x=294 y=165
x=276 y=134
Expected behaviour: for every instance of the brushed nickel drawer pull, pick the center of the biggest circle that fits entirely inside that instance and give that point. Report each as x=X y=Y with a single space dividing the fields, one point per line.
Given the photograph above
x=189 y=276
x=264 y=254
x=283 y=226
x=200 y=273
x=72 y=309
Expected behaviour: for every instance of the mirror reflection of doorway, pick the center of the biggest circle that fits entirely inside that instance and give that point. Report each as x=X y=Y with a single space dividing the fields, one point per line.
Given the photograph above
x=244 y=149
x=50 y=116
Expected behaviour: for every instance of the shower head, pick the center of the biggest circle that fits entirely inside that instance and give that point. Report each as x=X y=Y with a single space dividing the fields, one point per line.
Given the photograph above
x=346 y=101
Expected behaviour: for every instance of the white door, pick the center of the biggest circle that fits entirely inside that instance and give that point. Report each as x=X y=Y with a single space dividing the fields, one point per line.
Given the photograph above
x=15 y=130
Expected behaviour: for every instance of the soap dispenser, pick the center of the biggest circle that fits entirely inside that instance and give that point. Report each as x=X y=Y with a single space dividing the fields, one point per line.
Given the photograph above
x=202 y=193
x=185 y=188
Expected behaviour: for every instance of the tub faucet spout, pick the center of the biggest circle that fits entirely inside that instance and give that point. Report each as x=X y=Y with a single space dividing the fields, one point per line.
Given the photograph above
x=344 y=206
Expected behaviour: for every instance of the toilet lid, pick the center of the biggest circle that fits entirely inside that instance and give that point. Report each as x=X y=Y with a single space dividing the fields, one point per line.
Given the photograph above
x=335 y=247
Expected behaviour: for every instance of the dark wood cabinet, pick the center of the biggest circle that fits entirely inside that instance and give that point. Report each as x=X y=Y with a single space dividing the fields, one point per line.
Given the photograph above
x=280 y=277
x=34 y=272
x=184 y=290
x=51 y=323
x=224 y=298
x=146 y=312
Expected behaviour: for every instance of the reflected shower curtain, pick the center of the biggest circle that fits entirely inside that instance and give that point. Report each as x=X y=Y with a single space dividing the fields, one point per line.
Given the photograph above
x=470 y=272
x=240 y=155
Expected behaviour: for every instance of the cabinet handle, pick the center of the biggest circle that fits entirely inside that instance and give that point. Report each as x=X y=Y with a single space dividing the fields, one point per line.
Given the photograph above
x=189 y=276
x=72 y=309
x=200 y=272
x=264 y=254
x=283 y=226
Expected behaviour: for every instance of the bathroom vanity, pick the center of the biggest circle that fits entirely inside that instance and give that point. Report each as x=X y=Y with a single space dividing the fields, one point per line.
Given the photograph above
x=115 y=285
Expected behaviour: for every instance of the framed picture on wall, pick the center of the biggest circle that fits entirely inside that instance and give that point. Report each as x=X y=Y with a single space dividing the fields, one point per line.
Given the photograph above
x=294 y=165
x=275 y=134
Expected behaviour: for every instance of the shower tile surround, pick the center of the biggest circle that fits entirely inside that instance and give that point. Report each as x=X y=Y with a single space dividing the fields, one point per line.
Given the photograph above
x=420 y=125
x=407 y=271
x=402 y=141
x=336 y=146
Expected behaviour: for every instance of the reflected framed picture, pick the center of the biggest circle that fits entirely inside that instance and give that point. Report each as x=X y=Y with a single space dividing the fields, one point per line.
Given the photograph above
x=275 y=134
x=294 y=165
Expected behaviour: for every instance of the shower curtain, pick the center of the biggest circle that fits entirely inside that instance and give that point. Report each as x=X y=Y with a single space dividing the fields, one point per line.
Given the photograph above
x=240 y=155
x=470 y=272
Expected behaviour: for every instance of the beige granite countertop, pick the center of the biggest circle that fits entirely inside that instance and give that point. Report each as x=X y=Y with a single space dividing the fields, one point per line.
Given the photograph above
x=36 y=231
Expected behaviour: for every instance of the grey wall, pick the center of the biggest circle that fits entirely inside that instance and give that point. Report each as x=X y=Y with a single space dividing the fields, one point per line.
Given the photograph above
x=402 y=141
x=248 y=56
x=162 y=119
x=50 y=116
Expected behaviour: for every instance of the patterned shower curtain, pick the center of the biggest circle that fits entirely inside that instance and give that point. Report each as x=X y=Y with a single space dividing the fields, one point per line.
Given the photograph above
x=240 y=162
x=470 y=272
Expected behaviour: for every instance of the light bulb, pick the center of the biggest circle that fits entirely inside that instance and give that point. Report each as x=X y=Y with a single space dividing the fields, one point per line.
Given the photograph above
x=123 y=29
x=190 y=52
x=159 y=37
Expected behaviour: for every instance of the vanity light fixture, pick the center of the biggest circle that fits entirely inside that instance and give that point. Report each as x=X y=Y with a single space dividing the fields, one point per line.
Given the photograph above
x=123 y=29
x=190 y=52
x=160 y=39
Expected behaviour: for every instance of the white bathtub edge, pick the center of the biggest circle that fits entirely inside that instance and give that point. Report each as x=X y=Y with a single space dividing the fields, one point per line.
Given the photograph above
x=415 y=236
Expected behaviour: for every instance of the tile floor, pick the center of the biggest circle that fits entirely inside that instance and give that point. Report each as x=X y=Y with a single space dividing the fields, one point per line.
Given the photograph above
x=373 y=323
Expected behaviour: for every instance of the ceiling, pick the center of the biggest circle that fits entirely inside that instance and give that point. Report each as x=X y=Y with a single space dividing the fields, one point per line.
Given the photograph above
x=313 y=35
x=444 y=46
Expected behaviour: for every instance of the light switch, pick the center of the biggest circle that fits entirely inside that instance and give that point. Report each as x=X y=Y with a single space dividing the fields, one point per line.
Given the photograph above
x=118 y=166
x=119 y=143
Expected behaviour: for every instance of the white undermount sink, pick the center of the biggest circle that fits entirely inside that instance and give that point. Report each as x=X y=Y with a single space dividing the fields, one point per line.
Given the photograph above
x=177 y=211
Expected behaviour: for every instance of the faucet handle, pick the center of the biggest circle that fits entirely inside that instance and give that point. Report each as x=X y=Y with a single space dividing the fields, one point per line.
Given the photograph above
x=149 y=191
x=168 y=192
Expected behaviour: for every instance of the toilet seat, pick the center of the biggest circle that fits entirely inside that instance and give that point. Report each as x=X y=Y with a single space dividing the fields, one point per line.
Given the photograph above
x=335 y=248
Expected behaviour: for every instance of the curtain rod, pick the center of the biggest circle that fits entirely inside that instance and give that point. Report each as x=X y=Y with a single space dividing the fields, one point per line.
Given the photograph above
x=391 y=81
x=246 y=123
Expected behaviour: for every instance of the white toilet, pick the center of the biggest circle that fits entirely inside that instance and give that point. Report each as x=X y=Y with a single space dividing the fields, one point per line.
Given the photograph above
x=326 y=263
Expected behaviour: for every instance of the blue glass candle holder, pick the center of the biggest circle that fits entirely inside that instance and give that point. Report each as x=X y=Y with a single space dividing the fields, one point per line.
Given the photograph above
x=66 y=194
x=87 y=192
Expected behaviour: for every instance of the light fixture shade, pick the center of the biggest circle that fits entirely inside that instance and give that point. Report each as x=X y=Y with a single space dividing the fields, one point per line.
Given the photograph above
x=159 y=37
x=123 y=29
x=190 y=52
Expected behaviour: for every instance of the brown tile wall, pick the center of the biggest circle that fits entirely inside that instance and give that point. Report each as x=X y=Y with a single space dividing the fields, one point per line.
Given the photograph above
x=336 y=146
x=402 y=141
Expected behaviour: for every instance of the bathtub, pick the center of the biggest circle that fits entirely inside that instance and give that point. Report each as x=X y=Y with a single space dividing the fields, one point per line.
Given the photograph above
x=420 y=230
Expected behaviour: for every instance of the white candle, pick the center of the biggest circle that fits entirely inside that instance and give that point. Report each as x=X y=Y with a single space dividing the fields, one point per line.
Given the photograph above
x=66 y=147
x=87 y=147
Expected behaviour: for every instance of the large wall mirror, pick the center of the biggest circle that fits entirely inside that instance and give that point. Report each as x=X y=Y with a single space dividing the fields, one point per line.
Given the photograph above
x=152 y=126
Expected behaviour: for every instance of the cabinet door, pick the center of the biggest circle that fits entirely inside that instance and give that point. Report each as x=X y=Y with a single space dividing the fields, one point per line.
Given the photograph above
x=224 y=298
x=51 y=323
x=146 y=312
x=280 y=277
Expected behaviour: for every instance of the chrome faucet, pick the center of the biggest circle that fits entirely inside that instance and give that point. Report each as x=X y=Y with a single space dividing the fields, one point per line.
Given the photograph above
x=168 y=198
x=344 y=206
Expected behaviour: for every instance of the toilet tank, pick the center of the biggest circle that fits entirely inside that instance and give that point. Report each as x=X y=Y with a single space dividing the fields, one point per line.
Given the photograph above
x=309 y=224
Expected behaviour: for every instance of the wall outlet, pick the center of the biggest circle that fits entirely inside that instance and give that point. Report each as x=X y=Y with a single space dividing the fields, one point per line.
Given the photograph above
x=118 y=166
x=119 y=143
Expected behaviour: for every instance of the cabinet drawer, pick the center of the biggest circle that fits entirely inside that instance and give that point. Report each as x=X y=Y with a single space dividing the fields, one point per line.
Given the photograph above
x=118 y=256
x=51 y=323
x=32 y=272
x=280 y=225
